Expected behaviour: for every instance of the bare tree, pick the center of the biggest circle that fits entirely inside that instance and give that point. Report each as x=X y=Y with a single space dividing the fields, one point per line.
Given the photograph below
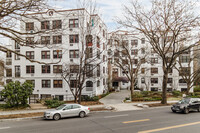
x=14 y=12
x=184 y=67
x=87 y=60
x=128 y=59
x=169 y=26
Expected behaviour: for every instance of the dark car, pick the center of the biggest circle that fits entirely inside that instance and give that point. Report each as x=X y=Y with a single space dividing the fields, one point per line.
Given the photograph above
x=186 y=105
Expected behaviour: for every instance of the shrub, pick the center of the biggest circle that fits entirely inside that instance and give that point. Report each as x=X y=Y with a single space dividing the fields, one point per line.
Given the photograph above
x=152 y=98
x=146 y=93
x=197 y=89
x=197 y=93
x=53 y=103
x=17 y=94
x=88 y=98
x=137 y=95
x=176 y=93
x=127 y=98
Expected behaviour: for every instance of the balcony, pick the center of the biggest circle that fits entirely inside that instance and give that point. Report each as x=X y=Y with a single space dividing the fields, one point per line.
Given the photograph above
x=89 y=88
x=182 y=84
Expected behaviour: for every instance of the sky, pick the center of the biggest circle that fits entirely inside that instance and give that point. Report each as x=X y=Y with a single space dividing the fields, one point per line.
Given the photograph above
x=108 y=10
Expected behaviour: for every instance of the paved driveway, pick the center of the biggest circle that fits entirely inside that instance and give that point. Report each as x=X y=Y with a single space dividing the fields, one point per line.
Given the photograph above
x=115 y=100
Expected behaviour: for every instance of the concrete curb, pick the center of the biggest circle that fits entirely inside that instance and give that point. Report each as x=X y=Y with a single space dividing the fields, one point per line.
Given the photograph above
x=18 y=119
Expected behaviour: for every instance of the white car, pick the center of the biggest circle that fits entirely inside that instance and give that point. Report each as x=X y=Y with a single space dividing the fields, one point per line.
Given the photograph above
x=67 y=110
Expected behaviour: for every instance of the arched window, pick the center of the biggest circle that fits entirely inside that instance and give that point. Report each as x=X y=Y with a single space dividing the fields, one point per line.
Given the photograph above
x=89 y=84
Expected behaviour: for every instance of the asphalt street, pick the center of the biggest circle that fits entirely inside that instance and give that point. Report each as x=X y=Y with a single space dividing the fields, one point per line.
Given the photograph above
x=159 y=120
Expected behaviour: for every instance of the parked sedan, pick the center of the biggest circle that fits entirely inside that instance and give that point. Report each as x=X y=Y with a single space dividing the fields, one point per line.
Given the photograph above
x=186 y=105
x=67 y=110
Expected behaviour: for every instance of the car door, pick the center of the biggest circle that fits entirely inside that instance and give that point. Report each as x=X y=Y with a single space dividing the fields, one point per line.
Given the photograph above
x=194 y=104
x=76 y=110
x=67 y=111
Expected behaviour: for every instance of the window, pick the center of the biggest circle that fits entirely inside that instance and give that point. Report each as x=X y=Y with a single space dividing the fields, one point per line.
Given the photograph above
x=98 y=70
x=154 y=70
x=182 y=81
x=29 y=26
x=154 y=60
x=73 y=23
x=98 y=42
x=73 y=83
x=17 y=57
x=143 y=60
x=31 y=82
x=57 y=54
x=73 y=39
x=57 y=39
x=104 y=33
x=104 y=81
x=154 y=80
x=88 y=39
x=134 y=52
x=17 y=46
x=57 y=69
x=17 y=71
x=45 y=25
x=98 y=54
x=57 y=83
x=142 y=70
x=46 y=83
x=30 y=69
x=143 y=50
x=125 y=43
x=154 y=89
x=89 y=70
x=170 y=70
x=142 y=80
x=46 y=69
x=74 y=54
x=98 y=83
x=74 y=68
x=30 y=54
x=135 y=61
x=89 y=53
x=170 y=80
x=45 y=40
x=184 y=71
x=143 y=40
x=8 y=54
x=29 y=41
x=134 y=43
x=104 y=70
x=8 y=72
x=45 y=54
x=184 y=59
x=57 y=24
x=89 y=84
x=104 y=58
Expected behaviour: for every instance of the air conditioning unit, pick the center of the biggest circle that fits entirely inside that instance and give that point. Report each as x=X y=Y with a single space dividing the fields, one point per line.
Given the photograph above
x=170 y=74
x=71 y=60
x=66 y=90
x=152 y=84
x=170 y=84
x=152 y=74
x=71 y=75
x=32 y=74
x=70 y=29
x=71 y=44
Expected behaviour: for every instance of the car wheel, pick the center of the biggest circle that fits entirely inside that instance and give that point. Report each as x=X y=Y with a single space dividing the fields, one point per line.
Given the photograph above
x=82 y=114
x=56 y=117
x=198 y=109
x=174 y=111
x=186 y=111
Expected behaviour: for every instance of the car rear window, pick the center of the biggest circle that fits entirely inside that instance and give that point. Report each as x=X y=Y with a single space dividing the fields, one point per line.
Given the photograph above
x=76 y=106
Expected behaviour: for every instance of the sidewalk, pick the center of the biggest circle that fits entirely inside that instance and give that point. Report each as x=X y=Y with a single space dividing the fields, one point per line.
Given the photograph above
x=41 y=110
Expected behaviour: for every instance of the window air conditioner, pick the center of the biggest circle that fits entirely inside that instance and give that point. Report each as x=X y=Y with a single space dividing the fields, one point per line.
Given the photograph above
x=71 y=60
x=32 y=74
x=71 y=44
x=71 y=29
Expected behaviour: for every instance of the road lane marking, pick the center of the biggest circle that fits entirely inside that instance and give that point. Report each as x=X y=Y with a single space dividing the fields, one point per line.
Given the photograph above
x=125 y=122
x=165 y=128
x=4 y=128
x=115 y=116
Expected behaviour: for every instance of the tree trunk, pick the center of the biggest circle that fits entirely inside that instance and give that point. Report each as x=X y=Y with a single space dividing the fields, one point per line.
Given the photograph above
x=164 y=87
x=79 y=96
x=188 y=89
x=75 y=99
x=132 y=90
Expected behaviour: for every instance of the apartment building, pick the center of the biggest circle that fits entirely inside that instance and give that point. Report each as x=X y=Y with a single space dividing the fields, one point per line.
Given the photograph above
x=150 y=72
x=60 y=39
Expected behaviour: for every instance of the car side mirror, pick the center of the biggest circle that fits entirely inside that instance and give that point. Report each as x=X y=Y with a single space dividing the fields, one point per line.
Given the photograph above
x=64 y=109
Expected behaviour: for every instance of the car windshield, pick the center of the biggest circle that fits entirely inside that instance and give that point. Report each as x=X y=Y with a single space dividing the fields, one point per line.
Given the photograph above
x=184 y=101
x=60 y=107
